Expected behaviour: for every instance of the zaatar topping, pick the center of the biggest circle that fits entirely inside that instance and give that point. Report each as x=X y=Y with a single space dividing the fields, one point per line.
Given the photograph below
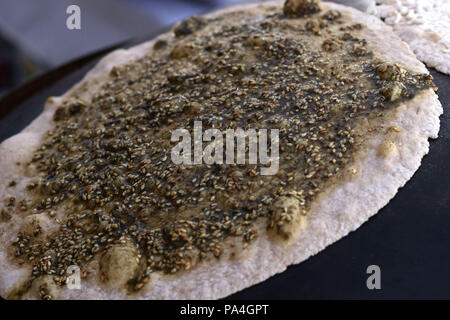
x=389 y=72
x=68 y=109
x=182 y=51
x=10 y=202
x=332 y=15
x=159 y=44
x=331 y=45
x=44 y=292
x=286 y=216
x=4 y=216
x=301 y=8
x=313 y=26
x=189 y=26
x=108 y=167
x=393 y=91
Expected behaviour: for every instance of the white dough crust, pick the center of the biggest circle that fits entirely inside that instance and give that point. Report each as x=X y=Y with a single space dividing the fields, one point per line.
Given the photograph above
x=424 y=25
x=333 y=215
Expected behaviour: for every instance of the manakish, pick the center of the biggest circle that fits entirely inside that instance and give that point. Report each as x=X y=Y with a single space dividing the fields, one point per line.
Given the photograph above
x=89 y=182
x=424 y=25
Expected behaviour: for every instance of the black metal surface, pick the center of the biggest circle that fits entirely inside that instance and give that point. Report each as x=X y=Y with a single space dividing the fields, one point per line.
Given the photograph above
x=409 y=239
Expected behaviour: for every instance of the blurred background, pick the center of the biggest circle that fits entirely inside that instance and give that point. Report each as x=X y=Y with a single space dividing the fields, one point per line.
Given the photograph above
x=34 y=37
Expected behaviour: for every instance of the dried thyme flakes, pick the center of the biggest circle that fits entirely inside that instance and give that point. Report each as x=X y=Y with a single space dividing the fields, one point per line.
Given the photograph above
x=107 y=163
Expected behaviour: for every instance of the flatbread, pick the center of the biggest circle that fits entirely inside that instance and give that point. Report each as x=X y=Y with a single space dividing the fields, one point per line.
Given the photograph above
x=381 y=168
x=424 y=25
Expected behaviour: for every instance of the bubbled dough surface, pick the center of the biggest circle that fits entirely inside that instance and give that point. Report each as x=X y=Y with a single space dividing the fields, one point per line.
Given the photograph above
x=333 y=215
x=426 y=30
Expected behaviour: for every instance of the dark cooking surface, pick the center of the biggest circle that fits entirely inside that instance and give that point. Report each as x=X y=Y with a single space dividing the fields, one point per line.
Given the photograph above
x=409 y=239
